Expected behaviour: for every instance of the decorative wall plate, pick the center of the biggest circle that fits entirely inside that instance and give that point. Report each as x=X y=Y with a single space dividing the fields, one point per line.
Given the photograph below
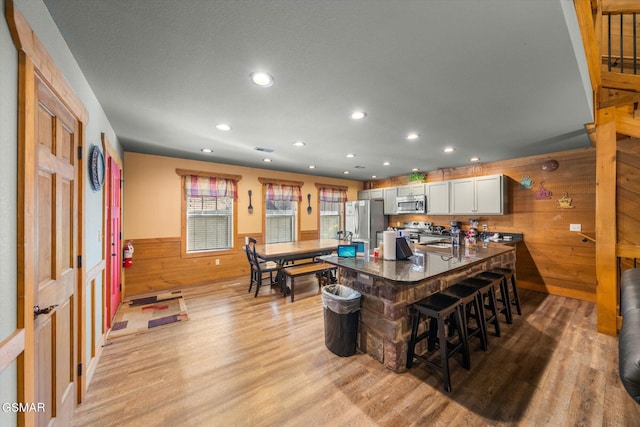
x=550 y=165
x=543 y=193
x=565 y=202
x=96 y=168
x=526 y=182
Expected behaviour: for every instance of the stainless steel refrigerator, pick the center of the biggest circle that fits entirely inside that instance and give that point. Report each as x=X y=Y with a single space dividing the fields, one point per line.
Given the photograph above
x=364 y=219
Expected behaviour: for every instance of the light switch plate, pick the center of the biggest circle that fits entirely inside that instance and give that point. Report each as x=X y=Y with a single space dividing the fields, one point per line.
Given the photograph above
x=575 y=227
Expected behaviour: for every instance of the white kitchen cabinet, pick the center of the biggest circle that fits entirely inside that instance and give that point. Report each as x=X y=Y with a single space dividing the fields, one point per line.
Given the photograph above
x=490 y=194
x=410 y=190
x=390 y=206
x=373 y=193
x=463 y=196
x=479 y=195
x=437 y=198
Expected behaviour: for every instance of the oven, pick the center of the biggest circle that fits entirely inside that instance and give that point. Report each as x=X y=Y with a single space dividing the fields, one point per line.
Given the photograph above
x=411 y=204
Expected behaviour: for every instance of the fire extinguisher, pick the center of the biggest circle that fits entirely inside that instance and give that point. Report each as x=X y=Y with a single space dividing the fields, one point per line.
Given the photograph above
x=127 y=259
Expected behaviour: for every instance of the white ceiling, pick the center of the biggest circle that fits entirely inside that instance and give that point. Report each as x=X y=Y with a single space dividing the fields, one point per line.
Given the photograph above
x=496 y=79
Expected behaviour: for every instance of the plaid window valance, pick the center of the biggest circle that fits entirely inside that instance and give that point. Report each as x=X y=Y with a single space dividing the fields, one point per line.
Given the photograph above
x=332 y=195
x=290 y=193
x=199 y=186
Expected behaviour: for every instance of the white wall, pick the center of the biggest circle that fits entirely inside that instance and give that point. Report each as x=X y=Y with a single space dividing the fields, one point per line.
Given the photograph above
x=41 y=22
x=8 y=207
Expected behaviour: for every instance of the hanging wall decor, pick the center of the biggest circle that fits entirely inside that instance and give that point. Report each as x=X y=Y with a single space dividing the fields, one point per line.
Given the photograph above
x=565 y=202
x=543 y=193
x=250 y=205
x=96 y=168
x=550 y=165
x=526 y=182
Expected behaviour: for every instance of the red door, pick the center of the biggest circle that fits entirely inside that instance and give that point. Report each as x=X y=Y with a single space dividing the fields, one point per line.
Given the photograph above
x=114 y=249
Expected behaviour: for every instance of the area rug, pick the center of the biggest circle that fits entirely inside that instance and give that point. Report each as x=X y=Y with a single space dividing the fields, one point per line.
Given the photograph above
x=149 y=312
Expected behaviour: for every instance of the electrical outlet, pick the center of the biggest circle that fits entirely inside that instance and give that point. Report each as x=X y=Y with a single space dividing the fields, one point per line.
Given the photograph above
x=484 y=227
x=217 y=261
x=575 y=227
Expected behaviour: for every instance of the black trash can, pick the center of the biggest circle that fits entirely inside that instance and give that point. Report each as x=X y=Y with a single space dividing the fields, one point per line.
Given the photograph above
x=341 y=315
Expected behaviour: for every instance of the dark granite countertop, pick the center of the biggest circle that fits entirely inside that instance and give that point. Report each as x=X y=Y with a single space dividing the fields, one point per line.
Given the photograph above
x=429 y=260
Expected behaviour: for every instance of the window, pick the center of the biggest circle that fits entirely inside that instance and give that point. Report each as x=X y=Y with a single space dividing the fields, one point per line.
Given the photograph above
x=330 y=219
x=281 y=199
x=208 y=212
x=331 y=201
x=280 y=221
x=209 y=223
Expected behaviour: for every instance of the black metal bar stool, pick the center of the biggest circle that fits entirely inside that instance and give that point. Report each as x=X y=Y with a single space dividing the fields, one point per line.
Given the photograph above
x=472 y=307
x=486 y=291
x=503 y=299
x=439 y=309
x=509 y=276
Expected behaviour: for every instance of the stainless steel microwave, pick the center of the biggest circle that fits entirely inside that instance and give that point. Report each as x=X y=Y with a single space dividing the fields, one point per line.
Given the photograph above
x=411 y=204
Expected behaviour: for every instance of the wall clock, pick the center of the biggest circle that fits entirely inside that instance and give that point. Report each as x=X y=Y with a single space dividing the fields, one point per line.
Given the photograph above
x=96 y=168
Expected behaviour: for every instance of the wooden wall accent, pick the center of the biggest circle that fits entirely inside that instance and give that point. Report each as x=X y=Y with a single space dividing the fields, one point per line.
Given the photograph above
x=309 y=234
x=552 y=259
x=158 y=265
x=628 y=200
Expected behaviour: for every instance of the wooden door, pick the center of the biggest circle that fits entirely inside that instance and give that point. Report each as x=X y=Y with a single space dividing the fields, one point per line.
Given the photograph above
x=55 y=213
x=114 y=250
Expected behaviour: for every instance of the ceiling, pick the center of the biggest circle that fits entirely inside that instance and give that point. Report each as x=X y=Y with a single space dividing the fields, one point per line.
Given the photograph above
x=496 y=79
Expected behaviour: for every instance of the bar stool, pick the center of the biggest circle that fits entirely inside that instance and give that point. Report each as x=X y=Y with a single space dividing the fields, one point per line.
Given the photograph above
x=509 y=276
x=486 y=291
x=438 y=309
x=504 y=293
x=472 y=306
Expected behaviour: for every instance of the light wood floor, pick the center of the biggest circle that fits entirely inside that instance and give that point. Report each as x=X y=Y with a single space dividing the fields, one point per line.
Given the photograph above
x=245 y=361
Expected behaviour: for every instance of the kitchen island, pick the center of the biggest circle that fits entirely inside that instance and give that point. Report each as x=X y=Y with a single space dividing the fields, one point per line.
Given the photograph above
x=389 y=288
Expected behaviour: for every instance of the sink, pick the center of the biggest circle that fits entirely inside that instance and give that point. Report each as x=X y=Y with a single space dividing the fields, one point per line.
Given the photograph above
x=437 y=245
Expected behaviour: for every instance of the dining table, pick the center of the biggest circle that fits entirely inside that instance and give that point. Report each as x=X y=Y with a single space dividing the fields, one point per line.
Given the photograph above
x=293 y=251
x=284 y=253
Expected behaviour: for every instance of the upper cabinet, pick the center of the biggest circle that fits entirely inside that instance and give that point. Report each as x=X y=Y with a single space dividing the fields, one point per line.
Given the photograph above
x=410 y=190
x=390 y=205
x=480 y=195
x=374 y=193
x=437 y=198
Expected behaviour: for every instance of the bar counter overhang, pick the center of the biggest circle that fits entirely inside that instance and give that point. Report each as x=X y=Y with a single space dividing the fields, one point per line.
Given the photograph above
x=389 y=288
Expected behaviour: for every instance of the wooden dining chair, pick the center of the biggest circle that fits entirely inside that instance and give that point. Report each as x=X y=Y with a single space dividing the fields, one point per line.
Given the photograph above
x=259 y=267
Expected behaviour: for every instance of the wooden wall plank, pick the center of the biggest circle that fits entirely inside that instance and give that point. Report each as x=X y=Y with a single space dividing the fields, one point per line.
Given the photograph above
x=551 y=258
x=158 y=265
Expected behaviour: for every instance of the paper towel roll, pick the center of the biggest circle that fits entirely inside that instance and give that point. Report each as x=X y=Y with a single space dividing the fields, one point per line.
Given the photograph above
x=389 y=240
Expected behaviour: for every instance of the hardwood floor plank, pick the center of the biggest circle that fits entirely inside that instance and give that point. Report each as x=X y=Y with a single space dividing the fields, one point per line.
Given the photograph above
x=262 y=361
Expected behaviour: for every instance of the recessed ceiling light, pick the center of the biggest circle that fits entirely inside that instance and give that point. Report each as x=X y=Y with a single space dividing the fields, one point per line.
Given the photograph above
x=299 y=144
x=413 y=136
x=261 y=79
x=312 y=166
x=350 y=155
x=358 y=115
x=267 y=160
x=449 y=150
x=386 y=163
x=207 y=150
x=346 y=172
x=474 y=159
x=415 y=170
x=223 y=126
x=373 y=176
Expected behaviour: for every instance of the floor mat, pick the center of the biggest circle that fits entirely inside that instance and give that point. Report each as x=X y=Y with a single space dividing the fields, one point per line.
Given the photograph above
x=142 y=314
